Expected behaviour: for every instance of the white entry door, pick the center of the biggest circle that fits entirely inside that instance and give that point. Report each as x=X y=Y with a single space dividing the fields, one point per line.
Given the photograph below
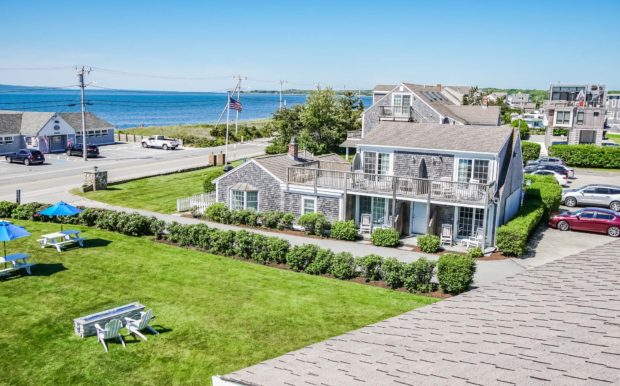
x=418 y=218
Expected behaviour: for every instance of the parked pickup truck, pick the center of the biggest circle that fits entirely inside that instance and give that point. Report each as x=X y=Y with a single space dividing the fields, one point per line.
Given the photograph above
x=161 y=142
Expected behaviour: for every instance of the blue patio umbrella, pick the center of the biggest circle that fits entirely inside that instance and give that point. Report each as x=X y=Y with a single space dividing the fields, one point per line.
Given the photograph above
x=60 y=209
x=10 y=232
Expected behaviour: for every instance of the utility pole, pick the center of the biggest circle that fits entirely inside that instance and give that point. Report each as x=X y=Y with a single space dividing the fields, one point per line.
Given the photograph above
x=80 y=75
x=281 y=82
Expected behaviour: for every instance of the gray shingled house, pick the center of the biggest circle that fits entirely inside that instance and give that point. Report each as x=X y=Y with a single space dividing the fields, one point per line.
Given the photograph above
x=50 y=132
x=414 y=177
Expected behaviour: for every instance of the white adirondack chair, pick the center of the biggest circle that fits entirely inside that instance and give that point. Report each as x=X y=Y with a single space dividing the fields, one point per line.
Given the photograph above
x=134 y=326
x=476 y=240
x=112 y=330
x=446 y=234
x=366 y=224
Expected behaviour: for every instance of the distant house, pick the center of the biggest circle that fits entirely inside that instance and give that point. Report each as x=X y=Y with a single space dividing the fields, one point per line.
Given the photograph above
x=613 y=111
x=495 y=96
x=50 y=132
x=580 y=109
x=518 y=100
x=408 y=102
x=414 y=177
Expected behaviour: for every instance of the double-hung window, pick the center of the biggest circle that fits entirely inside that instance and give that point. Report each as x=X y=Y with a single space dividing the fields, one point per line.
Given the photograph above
x=240 y=200
x=376 y=163
x=562 y=118
x=308 y=205
x=473 y=169
x=580 y=118
x=402 y=103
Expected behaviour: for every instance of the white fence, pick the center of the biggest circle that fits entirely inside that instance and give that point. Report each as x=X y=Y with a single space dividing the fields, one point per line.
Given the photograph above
x=199 y=202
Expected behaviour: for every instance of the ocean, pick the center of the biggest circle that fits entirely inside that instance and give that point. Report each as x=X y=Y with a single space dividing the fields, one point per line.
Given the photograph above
x=126 y=109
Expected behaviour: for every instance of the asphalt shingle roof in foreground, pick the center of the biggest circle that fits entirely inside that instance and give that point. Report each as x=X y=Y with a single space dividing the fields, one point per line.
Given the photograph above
x=556 y=324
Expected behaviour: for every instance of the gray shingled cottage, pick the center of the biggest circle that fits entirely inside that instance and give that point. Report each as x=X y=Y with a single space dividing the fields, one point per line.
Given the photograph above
x=414 y=177
x=50 y=132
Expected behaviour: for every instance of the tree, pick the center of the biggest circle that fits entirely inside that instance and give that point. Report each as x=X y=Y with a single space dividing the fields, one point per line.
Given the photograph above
x=524 y=129
x=321 y=124
x=473 y=97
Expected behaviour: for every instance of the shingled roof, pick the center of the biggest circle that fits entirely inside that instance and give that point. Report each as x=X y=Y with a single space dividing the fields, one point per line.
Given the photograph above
x=557 y=324
x=436 y=136
x=277 y=164
x=91 y=122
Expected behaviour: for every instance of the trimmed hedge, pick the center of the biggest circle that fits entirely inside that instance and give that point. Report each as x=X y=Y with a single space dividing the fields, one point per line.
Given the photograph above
x=455 y=272
x=429 y=243
x=370 y=266
x=343 y=266
x=301 y=256
x=418 y=274
x=542 y=197
x=219 y=212
x=314 y=223
x=385 y=237
x=344 y=230
x=530 y=151
x=392 y=272
x=587 y=156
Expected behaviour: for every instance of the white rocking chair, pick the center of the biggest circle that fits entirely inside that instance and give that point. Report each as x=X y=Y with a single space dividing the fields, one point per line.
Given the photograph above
x=112 y=330
x=446 y=234
x=366 y=224
x=134 y=326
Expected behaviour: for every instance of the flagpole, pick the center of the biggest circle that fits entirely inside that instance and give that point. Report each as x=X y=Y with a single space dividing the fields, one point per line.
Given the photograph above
x=227 y=120
x=237 y=110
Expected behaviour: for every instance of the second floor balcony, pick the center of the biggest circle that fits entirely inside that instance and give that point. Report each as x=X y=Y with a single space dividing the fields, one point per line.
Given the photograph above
x=396 y=113
x=443 y=190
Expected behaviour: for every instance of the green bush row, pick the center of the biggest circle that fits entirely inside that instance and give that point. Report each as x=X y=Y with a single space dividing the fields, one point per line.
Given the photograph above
x=429 y=243
x=542 y=196
x=219 y=212
x=132 y=224
x=385 y=237
x=530 y=150
x=587 y=156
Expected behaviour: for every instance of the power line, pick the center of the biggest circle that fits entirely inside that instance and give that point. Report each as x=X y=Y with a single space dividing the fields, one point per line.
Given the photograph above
x=129 y=73
x=34 y=68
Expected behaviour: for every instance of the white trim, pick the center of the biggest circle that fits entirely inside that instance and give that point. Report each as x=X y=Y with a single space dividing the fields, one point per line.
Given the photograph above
x=419 y=149
x=215 y=181
x=313 y=198
x=304 y=189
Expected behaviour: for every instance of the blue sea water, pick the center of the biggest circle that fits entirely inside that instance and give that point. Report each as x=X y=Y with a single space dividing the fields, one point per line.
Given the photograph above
x=135 y=108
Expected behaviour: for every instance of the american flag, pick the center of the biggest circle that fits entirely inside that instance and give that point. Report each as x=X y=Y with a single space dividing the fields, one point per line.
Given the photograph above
x=234 y=104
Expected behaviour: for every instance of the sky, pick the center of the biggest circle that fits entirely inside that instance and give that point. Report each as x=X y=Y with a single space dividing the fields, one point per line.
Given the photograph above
x=342 y=44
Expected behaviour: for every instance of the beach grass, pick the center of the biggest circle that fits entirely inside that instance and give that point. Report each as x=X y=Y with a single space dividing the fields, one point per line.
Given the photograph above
x=157 y=194
x=215 y=314
x=180 y=131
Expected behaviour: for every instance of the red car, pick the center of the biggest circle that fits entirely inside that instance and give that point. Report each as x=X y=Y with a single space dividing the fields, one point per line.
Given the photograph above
x=596 y=220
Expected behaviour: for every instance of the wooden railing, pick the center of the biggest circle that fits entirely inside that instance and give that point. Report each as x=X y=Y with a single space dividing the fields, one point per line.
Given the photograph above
x=396 y=186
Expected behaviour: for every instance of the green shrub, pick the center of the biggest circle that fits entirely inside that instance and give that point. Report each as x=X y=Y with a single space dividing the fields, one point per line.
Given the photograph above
x=244 y=244
x=278 y=249
x=89 y=216
x=207 y=184
x=392 y=272
x=314 y=223
x=418 y=274
x=300 y=256
x=29 y=212
x=275 y=148
x=530 y=151
x=475 y=252
x=285 y=221
x=385 y=237
x=218 y=212
x=429 y=243
x=370 y=266
x=524 y=129
x=260 y=249
x=587 y=156
x=560 y=132
x=223 y=243
x=343 y=266
x=270 y=219
x=322 y=262
x=7 y=208
x=455 y=272
x=344 y=230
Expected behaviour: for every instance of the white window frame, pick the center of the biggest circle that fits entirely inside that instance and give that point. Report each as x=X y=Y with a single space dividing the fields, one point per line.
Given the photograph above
x=7 y=140
x=401 y=95
x=457 y=162
x=570 y=118
x=303 y=206
x=378 y=154
x=245 y=199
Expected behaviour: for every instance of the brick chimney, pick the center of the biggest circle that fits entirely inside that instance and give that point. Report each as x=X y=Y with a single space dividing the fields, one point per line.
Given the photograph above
x=293 y=149
x=438 y=87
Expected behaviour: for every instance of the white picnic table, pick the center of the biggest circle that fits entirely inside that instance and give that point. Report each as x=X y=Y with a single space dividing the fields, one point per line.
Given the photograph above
x=60 y=239
x=17 y=260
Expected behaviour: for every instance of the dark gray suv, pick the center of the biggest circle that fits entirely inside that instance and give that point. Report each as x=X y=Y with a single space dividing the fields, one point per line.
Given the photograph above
x=593 y=195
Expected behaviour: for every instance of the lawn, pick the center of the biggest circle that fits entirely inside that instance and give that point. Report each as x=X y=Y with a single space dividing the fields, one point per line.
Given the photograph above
x=158 y=194
x=614 y=137
x=215 y=314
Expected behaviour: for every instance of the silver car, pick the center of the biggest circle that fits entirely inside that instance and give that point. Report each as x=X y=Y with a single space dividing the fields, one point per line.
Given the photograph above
x=593 y=195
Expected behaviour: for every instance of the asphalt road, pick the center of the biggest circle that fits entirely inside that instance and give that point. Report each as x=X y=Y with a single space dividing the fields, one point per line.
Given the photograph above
x=122 y=161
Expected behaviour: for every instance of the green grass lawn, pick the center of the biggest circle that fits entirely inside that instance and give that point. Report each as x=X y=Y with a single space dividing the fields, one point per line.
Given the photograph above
x=158 y=194
x=216 y=314
x=614 y=137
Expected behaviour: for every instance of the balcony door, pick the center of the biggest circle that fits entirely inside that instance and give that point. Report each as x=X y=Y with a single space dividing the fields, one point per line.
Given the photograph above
x=402 y=103
x=473 y=169
x=378 y=207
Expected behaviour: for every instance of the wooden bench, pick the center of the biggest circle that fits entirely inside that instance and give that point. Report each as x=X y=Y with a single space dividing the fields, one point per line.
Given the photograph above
x=85 y=325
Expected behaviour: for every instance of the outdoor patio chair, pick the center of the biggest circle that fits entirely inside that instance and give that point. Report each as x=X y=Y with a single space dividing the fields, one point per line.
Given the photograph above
x=112 y=330
x=446 y=234
x=366 y=224
x=134 y=326
x=476 y=240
